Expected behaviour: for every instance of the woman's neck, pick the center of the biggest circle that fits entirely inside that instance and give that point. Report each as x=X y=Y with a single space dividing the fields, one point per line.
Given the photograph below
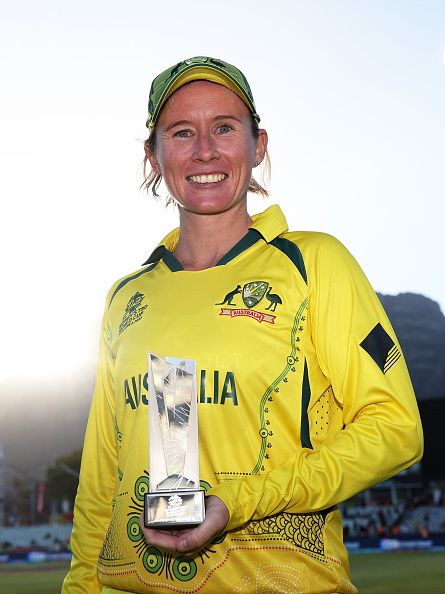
x=205 y=238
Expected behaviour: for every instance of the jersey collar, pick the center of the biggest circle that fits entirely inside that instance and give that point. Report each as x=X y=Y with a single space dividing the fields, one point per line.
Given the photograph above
x=270 y=224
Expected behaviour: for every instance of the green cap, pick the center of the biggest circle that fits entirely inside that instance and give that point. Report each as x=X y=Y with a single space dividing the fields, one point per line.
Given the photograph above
x=198 y=68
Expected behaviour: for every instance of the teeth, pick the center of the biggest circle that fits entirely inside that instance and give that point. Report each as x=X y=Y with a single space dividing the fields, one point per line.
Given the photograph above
x=207 y=179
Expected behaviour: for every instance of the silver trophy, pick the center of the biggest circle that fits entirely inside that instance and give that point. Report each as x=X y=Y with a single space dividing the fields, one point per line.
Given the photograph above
x=174 y=499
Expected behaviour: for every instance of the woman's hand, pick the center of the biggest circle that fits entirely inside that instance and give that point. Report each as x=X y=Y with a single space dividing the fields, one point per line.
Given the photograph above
x=189 y=541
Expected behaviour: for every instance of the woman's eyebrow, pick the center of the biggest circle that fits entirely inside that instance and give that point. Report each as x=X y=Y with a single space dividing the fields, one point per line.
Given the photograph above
x=189 y=123
x=178 y=123
x=227 y=117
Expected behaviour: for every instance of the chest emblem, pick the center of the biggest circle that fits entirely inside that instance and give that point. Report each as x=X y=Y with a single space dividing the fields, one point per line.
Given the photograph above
x=253 y=293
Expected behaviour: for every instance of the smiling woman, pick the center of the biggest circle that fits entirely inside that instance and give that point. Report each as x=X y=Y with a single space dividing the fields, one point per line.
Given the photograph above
x=304 y=397
x=162 y=88
x=196 y=141
x=205 y=154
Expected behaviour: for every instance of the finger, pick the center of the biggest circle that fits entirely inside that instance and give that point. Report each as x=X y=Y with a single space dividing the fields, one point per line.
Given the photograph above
x=162 y=538
x=216 y=518
x=191 y=541
x=198 y=537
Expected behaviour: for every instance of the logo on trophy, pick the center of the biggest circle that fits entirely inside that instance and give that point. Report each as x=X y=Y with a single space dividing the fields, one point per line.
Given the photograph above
x=175 y=499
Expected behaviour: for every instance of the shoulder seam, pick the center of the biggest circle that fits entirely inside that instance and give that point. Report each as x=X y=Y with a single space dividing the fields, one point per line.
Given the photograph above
x=130 y=278
x=292 y=251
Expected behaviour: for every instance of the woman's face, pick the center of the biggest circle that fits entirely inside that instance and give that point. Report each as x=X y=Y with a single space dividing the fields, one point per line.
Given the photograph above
x=205 y=148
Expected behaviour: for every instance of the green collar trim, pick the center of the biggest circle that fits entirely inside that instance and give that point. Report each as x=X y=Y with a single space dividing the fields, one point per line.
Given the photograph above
x=269 y=224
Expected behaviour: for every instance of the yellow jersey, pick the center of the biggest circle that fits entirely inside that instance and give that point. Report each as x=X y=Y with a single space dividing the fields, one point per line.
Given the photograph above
x=304 y=400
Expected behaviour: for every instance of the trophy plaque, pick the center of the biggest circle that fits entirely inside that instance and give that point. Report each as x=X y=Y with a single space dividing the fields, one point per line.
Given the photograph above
x=175 y=499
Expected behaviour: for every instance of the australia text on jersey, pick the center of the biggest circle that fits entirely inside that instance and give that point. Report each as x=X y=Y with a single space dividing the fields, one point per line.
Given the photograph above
x=223 y=392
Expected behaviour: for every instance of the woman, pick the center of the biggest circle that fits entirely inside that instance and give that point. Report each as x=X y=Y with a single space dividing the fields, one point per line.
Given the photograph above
x=304 y=398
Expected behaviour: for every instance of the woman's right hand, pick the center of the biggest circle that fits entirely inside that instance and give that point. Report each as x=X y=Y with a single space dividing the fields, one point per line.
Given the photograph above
x=189 y=541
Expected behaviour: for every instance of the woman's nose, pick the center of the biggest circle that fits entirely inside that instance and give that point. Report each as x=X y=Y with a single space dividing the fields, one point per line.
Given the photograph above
x=205 y=149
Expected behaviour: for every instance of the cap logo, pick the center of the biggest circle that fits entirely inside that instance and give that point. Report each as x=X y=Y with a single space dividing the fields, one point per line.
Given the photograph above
x=196 y=60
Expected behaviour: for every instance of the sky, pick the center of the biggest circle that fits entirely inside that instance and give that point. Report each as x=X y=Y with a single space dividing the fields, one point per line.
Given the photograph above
x=351 y=92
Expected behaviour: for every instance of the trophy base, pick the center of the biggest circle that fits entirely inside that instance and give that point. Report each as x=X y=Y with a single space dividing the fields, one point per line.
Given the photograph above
x=174 y=509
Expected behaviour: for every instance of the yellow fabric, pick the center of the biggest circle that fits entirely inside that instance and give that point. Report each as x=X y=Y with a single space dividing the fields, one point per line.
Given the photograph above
x=295 y=416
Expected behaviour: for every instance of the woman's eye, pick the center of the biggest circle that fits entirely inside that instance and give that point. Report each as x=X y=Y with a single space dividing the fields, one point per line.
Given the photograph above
x=224 y=128
x=182 y=133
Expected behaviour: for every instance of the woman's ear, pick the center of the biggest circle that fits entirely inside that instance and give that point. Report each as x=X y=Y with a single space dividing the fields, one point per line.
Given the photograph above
x=261 y=145
x=152 y=158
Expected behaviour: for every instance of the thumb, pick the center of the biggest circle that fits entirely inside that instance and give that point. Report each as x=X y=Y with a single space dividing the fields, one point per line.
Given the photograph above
x=217 y=516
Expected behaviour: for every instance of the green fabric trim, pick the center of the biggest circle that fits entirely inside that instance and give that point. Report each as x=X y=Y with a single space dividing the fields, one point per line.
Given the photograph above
x=249 y=239
x=161 y=252
x=289 y=364
x=292 y=252
x=171 y=262
x=130 y=278
x=305 y=398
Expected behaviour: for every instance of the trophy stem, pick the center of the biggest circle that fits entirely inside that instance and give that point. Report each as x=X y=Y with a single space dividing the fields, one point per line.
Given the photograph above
x=175 y=498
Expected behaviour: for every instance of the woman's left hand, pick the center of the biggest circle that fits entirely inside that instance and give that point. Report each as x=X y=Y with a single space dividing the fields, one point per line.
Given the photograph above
x=189 y=541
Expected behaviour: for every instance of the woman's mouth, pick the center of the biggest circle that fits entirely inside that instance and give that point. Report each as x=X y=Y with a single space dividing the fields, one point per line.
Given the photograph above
x=207 y=179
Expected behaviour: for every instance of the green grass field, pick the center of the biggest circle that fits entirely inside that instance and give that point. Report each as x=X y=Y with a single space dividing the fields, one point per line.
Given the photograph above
x=389 y=573
x=399 y=573
x=33 y=578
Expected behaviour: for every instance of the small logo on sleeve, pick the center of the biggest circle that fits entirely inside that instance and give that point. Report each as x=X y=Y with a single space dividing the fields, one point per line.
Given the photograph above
x=381 y=347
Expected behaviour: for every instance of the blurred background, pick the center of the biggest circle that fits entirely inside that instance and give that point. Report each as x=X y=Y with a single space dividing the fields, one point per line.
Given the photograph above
x=353 y=97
